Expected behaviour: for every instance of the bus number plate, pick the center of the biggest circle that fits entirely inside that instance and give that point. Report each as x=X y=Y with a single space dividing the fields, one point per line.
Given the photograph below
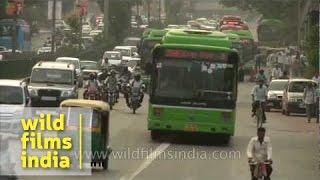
x=190 y=127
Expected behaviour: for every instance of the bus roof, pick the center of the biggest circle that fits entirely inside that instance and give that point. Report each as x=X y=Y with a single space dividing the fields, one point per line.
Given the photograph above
x=275 y=22
x=233 y=37
x=195 y=47
x=197 y=37
x=241 y=33
x=157 y=33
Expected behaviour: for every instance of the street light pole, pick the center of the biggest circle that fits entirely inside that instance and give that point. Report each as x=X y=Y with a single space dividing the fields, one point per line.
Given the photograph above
x=106 y=19
x=160 y=13
x=53 y=35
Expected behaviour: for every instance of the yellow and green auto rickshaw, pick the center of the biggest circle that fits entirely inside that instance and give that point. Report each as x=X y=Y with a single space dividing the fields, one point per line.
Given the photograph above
x=98 y=127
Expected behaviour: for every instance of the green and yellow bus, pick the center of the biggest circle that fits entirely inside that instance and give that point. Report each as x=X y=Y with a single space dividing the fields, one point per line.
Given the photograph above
x=154 y=37
x=236 y=44
x=248 y=45
x=193 y=84
x=271 y=32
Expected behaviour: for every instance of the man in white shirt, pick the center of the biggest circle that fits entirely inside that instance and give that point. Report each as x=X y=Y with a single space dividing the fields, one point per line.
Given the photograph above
x=260 y=150
x=259 y=94
x=316 y=78
x=310 y=99
x=276 y=72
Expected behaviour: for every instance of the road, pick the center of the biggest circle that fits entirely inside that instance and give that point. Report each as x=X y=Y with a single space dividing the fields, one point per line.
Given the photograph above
x=295 y=149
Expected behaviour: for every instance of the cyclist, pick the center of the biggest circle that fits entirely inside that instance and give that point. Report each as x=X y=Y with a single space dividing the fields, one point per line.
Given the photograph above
x=259 y=94
x=261 y=76
x=260 y=150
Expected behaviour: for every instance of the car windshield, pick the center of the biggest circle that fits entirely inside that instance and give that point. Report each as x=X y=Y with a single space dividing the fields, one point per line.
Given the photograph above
x=11 y=95
x=190 y=79
x=124 y=52
x=73 y=62
x=89 y=65
x=278 y=85
x=298 y=86
x=55 y=76
x=114 y=56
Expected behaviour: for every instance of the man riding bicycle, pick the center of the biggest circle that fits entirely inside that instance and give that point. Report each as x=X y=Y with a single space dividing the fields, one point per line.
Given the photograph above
x=259 y=96
x=260 y=150
x=261 y=76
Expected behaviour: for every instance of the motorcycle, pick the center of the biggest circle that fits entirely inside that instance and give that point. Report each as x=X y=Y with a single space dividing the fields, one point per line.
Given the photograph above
x=134 y=98
x=112 y=98
x=260 y=170
x=92 y=94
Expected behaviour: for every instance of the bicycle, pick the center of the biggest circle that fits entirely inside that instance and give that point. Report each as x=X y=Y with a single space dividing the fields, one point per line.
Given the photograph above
x=260 y=171
x=259 y=114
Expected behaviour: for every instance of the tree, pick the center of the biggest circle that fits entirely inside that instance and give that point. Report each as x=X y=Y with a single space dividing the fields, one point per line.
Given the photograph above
x=284 y=10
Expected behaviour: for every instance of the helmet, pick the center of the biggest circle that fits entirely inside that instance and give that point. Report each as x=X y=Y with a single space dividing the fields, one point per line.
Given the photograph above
x=137 y=77
x=92 y=76
x=261 y=71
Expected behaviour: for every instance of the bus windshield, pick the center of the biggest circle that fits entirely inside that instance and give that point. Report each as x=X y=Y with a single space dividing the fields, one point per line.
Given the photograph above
x=194 y=79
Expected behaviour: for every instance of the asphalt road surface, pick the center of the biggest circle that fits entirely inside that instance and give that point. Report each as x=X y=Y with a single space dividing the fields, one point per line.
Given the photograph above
x=295 y=149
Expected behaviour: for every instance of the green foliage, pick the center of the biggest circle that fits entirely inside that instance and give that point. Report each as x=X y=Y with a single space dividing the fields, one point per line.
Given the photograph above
x=312 y=51
x=284 y=10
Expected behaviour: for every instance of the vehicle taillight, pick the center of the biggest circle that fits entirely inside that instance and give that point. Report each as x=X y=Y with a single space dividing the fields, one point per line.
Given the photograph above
x=157 y=111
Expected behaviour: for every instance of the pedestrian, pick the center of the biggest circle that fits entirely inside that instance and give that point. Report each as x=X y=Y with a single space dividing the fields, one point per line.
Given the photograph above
x=296 y=65
x=258 y=59
x=276 y=73
x=309 y=96
x=286 y=63
x=316 y=78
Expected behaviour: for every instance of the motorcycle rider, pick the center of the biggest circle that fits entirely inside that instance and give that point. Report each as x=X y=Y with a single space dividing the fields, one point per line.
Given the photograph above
x=92 y=85
x=260 y=150
x=261 y=76
x=136 y=85
x=259 y=94
x=111 y=82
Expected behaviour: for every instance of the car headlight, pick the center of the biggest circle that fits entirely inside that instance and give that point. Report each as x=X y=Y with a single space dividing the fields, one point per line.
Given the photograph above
x=33 y=92
x=272 y=96
x=67 y=93
x=292 y=99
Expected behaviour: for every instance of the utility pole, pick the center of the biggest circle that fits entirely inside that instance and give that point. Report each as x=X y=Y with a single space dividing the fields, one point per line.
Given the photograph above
x=106 y=19
x=299 y=21
x=15 y=32
x=53 y=35
x=160 y=13
x=148 y=6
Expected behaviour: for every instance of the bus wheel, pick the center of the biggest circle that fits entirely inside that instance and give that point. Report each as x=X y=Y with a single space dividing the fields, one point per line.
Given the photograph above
x=155 y=135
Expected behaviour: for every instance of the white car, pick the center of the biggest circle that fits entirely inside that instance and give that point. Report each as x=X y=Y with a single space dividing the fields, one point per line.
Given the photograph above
x=71 y=60
x=127 y=53
x=86 y=29
x=114 y=57
x=44 y=50
x=14 y=97
x=95 y=33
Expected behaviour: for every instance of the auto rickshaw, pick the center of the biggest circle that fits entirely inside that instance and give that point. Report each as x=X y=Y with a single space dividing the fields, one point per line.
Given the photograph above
x=99 y=128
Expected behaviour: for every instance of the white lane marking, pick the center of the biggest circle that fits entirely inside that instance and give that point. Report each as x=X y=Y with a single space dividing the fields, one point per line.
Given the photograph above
x=151 y=157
